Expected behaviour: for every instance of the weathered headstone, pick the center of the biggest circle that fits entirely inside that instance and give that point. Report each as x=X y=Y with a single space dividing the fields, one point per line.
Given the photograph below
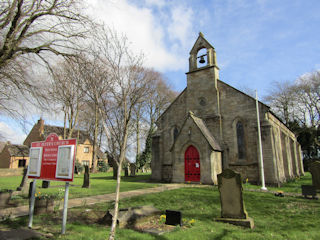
x=309 y=190
x=86 y=177
x=132 y=169
x=24 y=182
x=126 y=171
x=232 y=206
x=314 y=168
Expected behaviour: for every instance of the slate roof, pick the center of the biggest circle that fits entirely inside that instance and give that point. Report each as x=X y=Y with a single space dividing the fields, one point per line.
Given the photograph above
x=204 y=130
x=83 y=135
x=18 y=150
x=206 y=133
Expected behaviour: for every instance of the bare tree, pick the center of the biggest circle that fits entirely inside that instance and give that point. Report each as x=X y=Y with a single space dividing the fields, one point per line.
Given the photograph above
x=281 y=98
x=116 y=84
x=33 y=32
x=307 y=91
x=65 y=91
x=159 y=98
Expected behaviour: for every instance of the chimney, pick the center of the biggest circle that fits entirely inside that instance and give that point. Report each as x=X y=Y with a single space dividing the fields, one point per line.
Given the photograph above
x=41 y=126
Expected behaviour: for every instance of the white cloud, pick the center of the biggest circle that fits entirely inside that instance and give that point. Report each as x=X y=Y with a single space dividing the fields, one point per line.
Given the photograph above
x=181 y=24
x=13 y=135
x=156 y=35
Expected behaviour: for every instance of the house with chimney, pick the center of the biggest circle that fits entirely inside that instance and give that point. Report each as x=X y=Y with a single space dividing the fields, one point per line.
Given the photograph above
x=15 y=156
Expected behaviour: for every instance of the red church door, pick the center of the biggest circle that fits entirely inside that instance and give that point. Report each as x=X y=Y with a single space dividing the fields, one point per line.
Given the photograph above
x=192 y=165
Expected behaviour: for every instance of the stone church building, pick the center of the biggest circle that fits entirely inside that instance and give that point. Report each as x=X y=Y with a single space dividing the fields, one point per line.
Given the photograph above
x=211 y=126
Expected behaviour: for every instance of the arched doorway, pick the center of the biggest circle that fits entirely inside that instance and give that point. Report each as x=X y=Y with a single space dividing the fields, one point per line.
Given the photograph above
x=192 y=164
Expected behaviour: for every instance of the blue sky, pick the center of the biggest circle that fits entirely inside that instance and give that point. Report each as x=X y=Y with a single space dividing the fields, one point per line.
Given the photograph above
x=257 y=42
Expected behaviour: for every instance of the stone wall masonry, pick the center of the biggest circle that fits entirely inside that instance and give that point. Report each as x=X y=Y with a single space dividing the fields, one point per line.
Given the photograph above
x=270 y=171
x=279 y=157
x=6 y=172
x=290 y=154
x=156 y=164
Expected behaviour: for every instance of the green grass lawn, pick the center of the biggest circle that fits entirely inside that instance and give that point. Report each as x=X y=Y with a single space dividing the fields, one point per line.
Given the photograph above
x=274 y=217
x=100 y=183
x=293 y=186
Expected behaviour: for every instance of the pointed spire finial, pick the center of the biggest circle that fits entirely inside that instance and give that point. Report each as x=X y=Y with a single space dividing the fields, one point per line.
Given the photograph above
x=201 y=34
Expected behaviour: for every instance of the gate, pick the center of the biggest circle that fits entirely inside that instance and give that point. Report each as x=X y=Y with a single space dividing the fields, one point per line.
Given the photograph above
x=192 y=165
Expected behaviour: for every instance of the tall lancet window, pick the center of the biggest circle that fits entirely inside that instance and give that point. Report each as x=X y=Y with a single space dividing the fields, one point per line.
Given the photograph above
x=175 y=133
x=241 y=141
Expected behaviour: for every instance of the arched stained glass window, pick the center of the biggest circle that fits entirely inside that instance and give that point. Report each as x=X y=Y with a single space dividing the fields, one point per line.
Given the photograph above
x=240 y=141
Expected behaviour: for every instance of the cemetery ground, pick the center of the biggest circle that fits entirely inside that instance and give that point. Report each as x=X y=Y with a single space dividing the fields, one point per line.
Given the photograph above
x=289 y=217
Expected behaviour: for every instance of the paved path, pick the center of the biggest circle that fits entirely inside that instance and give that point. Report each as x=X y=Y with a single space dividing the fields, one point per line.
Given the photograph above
x=77 y=202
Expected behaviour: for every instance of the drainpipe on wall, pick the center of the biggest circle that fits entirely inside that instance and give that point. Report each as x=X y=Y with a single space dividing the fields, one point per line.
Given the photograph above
x=263 y=187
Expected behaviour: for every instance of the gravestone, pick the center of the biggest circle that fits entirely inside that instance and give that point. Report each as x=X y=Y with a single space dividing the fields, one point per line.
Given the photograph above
x=231 y=199
x=24 y=182
x=86 y=177
x=314 y=168
x=45 y=184
x=173 y=218
x=309 y=190
x=132 y=170
x=126 y=171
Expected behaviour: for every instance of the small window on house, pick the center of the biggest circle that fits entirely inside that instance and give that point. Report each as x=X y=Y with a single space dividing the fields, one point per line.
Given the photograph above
x=85 y=162
x=86 y=149
x=241 y=141
x=22 y=163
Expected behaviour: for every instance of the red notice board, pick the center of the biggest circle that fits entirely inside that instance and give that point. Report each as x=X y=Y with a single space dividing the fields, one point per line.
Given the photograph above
x=52 y=159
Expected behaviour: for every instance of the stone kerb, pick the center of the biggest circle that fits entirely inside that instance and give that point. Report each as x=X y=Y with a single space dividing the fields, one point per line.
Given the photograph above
x=315 y=171
x=231 y=199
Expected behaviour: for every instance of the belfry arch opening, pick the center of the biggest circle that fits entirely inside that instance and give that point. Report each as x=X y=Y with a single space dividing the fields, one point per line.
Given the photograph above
x=202 y=58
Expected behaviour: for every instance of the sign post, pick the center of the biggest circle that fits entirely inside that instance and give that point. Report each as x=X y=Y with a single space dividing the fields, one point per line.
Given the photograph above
x=65 y=209
x=31 y=207
x=52 y=159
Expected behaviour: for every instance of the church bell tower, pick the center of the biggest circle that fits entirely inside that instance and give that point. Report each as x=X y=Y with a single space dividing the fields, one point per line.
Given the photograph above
x=202 y=88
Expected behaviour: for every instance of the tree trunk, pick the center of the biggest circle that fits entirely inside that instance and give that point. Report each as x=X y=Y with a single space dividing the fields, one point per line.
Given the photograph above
x=64 y=125
x=138 y=133
x=116 y=206
x=95 y=137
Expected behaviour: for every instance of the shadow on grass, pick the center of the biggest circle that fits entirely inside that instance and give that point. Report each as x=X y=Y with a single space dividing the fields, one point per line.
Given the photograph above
x=16 y=223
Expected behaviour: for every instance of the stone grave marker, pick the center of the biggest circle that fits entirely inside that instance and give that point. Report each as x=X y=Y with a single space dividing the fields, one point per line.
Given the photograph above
x=86 y=177
x=45 y=184
x=24 y=182
x=309 y=190
x=173 y=218
x=314 y=168
x=232 y=206
x=132 y=170
x=126 y=171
